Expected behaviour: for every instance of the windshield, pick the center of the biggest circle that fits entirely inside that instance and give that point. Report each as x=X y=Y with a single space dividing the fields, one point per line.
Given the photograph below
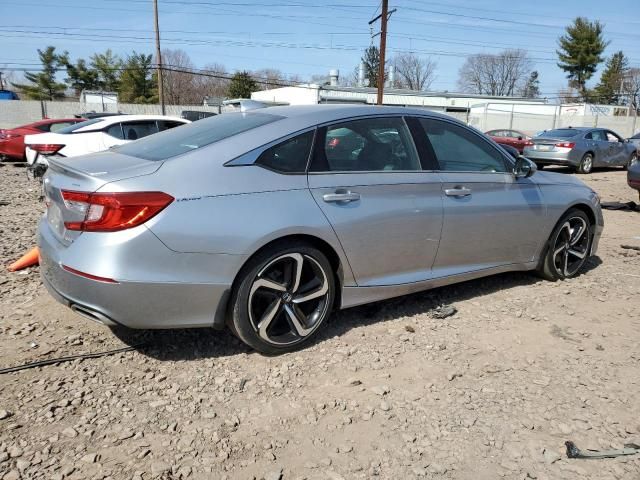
x=560 y=133
x=177 y=141
x=76 y=126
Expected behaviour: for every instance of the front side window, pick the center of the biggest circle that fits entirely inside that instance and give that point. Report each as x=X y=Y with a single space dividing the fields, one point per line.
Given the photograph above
x=136 y=130
x=612 y=137
x=458 y=149
x=290 y=156
x=373 y=144
x=115 y=131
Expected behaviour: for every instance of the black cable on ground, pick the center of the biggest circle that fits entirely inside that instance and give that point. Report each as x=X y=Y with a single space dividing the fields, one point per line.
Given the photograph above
x=83 y=356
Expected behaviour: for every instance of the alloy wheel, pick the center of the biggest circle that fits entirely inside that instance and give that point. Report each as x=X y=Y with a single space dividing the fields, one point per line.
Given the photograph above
x=571 y=246
x=288 y=299
x=587 y=164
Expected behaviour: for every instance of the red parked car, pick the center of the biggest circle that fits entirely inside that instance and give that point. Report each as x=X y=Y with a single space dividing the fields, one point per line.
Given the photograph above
x=514 y=138
x=12 y=140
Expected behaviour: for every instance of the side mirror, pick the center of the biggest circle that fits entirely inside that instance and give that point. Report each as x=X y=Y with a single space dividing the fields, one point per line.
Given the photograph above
x=524 y=167
x=520 y=138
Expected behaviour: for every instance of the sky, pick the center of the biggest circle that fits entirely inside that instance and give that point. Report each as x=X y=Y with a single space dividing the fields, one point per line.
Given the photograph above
x=307 y=37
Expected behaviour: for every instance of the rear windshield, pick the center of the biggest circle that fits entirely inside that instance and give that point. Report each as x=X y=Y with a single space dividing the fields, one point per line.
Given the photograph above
x=76 y=126
x=177 y=141
x=560 y=133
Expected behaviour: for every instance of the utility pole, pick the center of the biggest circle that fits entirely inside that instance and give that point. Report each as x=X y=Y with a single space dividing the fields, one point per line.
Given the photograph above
x=159 y=57
x=384 y=17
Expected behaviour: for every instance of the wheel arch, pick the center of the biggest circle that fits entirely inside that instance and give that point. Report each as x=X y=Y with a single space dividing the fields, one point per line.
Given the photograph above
x=584 y=207
x=336 y=262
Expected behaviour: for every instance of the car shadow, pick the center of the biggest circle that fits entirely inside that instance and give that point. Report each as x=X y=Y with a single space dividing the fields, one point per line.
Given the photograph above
x=562 y=169
x=198 y=344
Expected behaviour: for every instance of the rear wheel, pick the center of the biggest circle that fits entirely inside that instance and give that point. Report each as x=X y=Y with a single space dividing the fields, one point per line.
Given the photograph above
x=568 y=247
x=586 y=164
x=283 y=297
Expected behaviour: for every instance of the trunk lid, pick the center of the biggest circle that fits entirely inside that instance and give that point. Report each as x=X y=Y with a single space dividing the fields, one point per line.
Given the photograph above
x=547 y=144
x=85 y=174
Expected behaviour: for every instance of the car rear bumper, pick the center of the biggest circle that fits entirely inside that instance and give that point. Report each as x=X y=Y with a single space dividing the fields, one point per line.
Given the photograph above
x=134 y=304
x=550 y=158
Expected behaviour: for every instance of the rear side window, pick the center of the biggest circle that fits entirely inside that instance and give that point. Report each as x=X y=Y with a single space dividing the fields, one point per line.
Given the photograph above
x=290 y=156
x=458 y=149
x=177 y=141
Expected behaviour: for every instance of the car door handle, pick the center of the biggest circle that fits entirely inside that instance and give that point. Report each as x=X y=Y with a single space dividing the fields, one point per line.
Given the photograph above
x=457 y=192
x=341 y=197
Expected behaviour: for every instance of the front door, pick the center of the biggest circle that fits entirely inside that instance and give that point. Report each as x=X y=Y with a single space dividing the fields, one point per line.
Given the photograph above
x=490 y=217
x=386 y=211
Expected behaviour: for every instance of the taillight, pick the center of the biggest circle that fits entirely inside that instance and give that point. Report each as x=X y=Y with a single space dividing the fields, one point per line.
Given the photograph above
x=110 y=212
x=46 y=148
x=566 y=145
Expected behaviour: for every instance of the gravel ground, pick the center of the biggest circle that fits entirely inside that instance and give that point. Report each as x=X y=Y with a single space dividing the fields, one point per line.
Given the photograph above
x=388 y=391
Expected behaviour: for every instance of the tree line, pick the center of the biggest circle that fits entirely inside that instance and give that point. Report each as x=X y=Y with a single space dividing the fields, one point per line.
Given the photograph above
x=508 y=73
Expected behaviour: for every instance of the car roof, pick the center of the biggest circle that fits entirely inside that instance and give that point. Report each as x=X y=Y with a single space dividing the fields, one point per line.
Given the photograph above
x=303 y=116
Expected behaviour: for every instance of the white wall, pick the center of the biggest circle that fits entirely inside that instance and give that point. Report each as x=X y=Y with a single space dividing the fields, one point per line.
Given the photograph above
x=20 y=112
x=300 y=95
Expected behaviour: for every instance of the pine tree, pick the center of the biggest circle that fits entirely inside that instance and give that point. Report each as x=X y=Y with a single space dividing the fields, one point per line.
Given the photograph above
x=80 y=76
x=611 y=80
x=43 y=84
x=109 y=68
x=241 y=85
x=580 y=52
x=532 y=87
x=371 y=60
x=138 y=82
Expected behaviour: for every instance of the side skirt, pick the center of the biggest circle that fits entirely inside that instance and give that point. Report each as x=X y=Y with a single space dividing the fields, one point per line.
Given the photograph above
x=354 y=296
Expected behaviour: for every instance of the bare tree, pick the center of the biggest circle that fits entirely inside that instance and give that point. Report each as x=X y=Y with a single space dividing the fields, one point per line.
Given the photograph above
x=413 y=72
x=268 y=78
x=213 y=82
x=631 y=87
x=179 y=79
x=501 y=74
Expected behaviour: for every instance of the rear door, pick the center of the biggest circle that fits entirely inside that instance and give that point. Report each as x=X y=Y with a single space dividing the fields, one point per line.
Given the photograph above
x=602 y=150
x=617 y=151
x=367 y=178
x=490 y=217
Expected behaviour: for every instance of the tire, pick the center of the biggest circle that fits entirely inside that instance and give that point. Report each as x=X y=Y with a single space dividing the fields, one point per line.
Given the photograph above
x=540 y=166
x=586 y=164
x=567 y=249
x=282 y=297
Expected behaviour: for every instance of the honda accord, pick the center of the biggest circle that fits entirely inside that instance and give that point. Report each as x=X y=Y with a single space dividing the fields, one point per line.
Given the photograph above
x=268 y=220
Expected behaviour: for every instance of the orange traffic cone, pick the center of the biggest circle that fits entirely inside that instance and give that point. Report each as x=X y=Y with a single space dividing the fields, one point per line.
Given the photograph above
x=27 y=260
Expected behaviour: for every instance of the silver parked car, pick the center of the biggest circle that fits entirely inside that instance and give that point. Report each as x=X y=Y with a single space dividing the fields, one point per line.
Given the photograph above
x=268 y=220
x=582 y=148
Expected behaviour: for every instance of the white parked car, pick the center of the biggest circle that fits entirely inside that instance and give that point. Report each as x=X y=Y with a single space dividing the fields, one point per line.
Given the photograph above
x=94 y=135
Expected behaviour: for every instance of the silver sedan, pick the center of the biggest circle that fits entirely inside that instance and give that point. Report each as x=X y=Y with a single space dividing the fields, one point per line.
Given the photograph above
x=268 y=220
x=582 y=148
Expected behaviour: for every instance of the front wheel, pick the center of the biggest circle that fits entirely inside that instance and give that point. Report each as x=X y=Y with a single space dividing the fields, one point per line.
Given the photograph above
x=586 y=164
x=283 y=297
x=568 y=247
x=632 y=160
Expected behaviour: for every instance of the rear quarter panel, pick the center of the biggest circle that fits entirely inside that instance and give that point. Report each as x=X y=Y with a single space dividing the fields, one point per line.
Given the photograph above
x=232 y=210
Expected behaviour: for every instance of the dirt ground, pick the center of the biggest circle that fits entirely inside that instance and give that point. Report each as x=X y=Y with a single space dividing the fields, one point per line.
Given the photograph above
x=388 y=391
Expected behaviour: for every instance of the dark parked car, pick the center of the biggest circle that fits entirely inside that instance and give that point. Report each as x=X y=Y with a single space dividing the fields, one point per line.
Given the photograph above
x=12 y=140
x=635 y=140
x=633 y=177
x=582 y=148
x=513 y=138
